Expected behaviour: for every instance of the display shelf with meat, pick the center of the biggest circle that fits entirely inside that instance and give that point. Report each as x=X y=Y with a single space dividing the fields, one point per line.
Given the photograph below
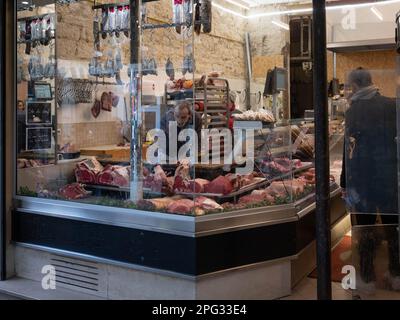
x=73 y=191
x=281 y=166
x=157 y=181
x=87 y=171
x=265 y=116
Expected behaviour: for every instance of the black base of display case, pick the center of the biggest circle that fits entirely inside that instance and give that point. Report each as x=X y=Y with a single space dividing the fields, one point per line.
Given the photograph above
x=187 y=255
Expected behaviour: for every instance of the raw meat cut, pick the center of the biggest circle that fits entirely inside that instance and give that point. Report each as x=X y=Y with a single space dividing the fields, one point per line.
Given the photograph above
x=207 y=204
x=183 y=206
x=220 y=185
x=157 y=204
x=286 y=188
x=73 y=191
x=158 y=181
x=96 y=108
x=199 y=206
x=118 y=176
x=232 y=206
x=23 y=163
x=257 y=196
x=240 y=181
x=87 y=170
x=191 y=186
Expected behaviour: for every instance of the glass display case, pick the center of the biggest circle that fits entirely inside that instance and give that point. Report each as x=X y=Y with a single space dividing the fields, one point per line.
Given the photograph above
x=165 y=142
x=169 y=134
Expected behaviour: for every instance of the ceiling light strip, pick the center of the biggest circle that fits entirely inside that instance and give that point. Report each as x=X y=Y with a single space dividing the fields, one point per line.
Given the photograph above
x=228 y=10
x=281 y=24
x=237 y=4
x=300 y=11
x=377 y=13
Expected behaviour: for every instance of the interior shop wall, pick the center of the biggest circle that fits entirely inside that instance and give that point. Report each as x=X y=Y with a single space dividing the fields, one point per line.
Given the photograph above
x=382 y=64
x=222 y=50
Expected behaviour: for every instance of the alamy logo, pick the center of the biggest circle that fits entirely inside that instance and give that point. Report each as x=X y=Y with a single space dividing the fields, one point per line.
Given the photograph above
x=219 y=144
x=349 y=280
x=49 y=279
x=349 y=19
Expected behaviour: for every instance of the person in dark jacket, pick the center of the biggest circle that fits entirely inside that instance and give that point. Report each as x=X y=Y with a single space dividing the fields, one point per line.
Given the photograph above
x=369 y=176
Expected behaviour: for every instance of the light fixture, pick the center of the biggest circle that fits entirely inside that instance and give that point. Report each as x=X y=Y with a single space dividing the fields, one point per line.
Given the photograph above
x=25 y=2
x=281 y=24
x=228 y=10
x=306 y=10
x=377 y=13
x=362 y=5
x=238 y=4
x=251 y=3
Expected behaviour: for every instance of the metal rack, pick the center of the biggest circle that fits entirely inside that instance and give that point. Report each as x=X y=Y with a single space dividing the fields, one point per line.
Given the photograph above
x=216 y=113
x=216 y=101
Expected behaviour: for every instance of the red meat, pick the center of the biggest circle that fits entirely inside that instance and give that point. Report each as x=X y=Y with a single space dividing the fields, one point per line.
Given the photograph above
x=219 y=185
x=192 y=186
x=117 y=176
x=183 y=206
x=207 y=204
x=87 y=170
x=73 y=191
x=256 y=196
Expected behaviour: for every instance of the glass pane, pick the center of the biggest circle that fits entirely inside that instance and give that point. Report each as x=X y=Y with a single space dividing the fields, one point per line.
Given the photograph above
x=375 y=255
x=370 y=142
x=185 y=117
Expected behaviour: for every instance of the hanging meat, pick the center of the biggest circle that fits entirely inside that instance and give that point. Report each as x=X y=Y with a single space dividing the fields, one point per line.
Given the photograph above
x=106 y=102
x=96 y=109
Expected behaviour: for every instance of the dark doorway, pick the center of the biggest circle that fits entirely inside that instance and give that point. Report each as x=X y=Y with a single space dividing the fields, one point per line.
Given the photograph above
x=301 y=73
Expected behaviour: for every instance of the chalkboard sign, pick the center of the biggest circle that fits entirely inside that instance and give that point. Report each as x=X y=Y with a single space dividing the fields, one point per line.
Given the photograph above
x=38 y=113
x=43 y=91
x=38 y=138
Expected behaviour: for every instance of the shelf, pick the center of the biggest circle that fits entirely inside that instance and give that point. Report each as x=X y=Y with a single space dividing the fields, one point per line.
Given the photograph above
x=40 y=16
x=36 y=40
x=213 y=111
x=113 y=31
x=216 y=123
x=213 y=105
x=362 y=45
x=119 y=4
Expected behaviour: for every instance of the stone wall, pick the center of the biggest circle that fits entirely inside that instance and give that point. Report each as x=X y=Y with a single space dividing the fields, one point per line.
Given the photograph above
x=222 y=49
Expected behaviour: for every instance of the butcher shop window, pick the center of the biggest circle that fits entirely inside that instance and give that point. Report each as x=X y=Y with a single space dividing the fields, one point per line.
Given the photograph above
x=200 y=125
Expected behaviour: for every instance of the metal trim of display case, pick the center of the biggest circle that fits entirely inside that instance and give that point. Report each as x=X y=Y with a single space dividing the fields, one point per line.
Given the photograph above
x=170 y=223
x=131 y=218
x=187 y=254
x=158 y=221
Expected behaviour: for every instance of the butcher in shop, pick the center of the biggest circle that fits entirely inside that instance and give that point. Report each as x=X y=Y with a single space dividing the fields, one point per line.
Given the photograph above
x=185 y=118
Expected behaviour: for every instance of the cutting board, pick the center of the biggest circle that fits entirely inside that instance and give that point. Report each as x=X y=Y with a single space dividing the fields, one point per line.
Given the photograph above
x=110 y=152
